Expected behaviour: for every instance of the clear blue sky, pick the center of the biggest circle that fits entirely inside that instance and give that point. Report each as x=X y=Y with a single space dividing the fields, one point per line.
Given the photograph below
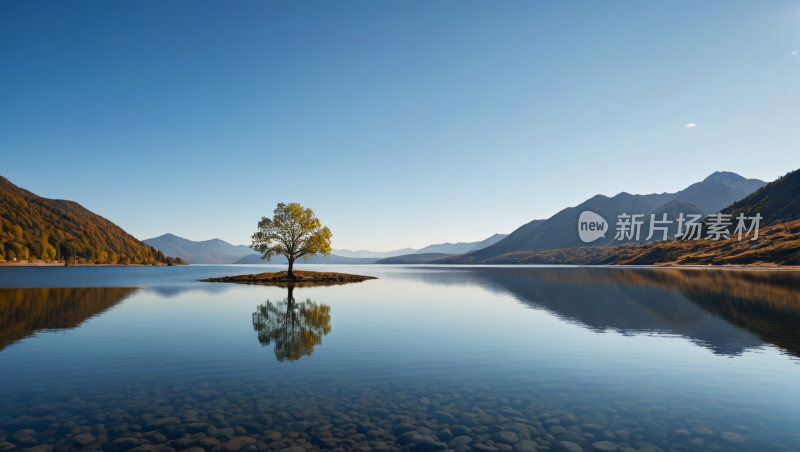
x=400 y=123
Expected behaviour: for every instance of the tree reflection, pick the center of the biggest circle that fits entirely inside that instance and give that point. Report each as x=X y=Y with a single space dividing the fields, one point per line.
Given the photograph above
x=295 y=327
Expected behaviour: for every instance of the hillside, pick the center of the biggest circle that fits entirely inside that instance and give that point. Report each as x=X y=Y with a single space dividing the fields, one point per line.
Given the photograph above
x=777 y=202
x=561 y=230
x=776 y=245
x=214 y=251
x=413 y=258
x=251 y=259
x=448 y=248
x=490 y=241
x=33 y=227
x=460 y=247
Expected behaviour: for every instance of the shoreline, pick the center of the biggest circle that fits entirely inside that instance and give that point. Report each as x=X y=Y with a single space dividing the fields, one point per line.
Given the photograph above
x=655 y=267
x=665 y=267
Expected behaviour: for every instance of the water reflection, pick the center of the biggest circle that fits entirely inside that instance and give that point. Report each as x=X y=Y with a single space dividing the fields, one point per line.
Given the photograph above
x=294 y=327
x=23 y=312
x=726 y=311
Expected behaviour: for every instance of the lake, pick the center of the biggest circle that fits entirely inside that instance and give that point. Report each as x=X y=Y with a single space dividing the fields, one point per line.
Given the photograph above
x=468 y=359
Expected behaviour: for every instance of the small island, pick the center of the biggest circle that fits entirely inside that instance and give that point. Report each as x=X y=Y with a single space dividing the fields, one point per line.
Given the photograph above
x=294 y=232
x=298 y=277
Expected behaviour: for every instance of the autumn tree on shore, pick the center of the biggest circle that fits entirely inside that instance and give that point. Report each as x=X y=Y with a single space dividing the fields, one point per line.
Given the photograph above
x=293 y=232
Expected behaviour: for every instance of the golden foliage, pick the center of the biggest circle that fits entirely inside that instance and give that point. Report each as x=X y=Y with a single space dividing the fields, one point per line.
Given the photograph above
x=32 y=227
x=293 y=232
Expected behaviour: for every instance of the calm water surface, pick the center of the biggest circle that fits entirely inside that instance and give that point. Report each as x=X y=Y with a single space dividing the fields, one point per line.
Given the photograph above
x=422 y=359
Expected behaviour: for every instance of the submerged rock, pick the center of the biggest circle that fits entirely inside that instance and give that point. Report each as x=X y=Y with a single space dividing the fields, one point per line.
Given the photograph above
x=570 y=446
x=525 y=445
x=507 y=437
x=732 y=437
x=459 y=440
x=605 y=446
x=703 y=431
x=122 y=444
x=85 y=438
x=237 y=443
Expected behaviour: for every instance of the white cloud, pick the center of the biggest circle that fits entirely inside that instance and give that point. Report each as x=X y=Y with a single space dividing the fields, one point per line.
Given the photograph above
x=794 y=53
x=689 y=126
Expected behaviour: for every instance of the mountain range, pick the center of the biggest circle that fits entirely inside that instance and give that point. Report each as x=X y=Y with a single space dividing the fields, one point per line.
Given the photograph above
x=460 y=247
x=440 y=248
x=251 y=259
x=370 y=254
x=711 y=195
x=214 y=251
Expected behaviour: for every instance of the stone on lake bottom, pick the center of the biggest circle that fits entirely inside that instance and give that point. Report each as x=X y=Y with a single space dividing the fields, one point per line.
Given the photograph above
x=85 y=438
x=525 y=445
x=460 y=430
x=605 y=446
x=41 y=448
x=508 y=437
x=24 y=436
x=209 y=442
x=122 y=444
x=483 y=448
x=457 y=441
x=732 y=437
x=294 y=449
x=570 y=446
x=165 y=422
x=703 y=431
x=238 y=442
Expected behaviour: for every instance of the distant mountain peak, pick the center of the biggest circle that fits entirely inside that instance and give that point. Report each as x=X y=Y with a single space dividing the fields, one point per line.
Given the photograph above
x=726 y=177
x=213 y=251
x=168 y=236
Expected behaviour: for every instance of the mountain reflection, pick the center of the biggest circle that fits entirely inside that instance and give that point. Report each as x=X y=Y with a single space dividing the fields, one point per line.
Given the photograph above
x=23 y=312
x=295 y=327
x=726 y=311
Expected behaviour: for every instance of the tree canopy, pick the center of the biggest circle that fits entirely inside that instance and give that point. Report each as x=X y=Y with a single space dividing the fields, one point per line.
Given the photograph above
x=293 y=232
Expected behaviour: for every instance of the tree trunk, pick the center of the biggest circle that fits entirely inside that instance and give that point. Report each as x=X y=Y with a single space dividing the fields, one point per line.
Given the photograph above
x=291 y=264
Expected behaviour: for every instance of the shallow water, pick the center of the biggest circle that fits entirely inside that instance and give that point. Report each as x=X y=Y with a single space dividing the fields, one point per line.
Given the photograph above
x=519 y=358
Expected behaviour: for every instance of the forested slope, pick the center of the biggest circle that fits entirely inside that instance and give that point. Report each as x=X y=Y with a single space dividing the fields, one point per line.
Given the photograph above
x=32 y=227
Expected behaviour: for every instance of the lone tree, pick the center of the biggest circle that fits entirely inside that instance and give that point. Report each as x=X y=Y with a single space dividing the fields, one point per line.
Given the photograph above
x=293 y=232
